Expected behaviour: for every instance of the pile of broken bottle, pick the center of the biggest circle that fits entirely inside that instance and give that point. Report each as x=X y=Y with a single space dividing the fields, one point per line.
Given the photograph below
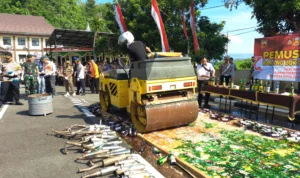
x=271 y=131
x=266 y=130
x=118 y=124
x=104 y=150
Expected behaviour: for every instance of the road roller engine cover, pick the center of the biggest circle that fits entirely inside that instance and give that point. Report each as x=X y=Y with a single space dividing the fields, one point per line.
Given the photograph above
x=160 y=93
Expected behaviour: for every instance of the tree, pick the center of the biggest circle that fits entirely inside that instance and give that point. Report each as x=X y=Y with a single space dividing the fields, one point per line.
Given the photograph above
x=139 y=21
x=273 y=17
x=105 y=23
x=211 y=41
x=61 y=14
x=90 y=8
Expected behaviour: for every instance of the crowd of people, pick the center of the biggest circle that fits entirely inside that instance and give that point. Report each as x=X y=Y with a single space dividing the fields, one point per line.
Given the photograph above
x=41 y=77
x=83 y=74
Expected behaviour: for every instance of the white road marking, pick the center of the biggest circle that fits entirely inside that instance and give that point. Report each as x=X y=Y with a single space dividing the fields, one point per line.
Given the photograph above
x=4 y=108
x=76 y=102
x=80 y=103
x=88 y=113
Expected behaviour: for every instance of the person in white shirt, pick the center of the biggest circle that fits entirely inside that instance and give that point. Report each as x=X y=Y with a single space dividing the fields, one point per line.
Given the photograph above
x=225 y=71
x=50 y=76
x=204 y=72
x=80 y=76
x=233 y=68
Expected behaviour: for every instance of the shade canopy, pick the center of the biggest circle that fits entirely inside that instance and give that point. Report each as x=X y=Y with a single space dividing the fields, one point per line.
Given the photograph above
x=74 y=38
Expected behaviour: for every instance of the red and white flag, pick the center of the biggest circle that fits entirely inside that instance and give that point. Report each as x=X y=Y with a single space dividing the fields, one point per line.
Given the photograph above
x=193 y=26
x=183 y=25
x=120 y=18
x=157 y=18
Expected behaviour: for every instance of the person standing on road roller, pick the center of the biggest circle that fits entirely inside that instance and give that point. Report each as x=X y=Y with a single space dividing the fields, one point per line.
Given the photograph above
x=136 y=49
x=31 y=71
x=204 y=71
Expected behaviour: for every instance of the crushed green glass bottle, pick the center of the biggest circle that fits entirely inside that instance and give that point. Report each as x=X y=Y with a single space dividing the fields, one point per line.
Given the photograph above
x=155 y=150
x=162 y=160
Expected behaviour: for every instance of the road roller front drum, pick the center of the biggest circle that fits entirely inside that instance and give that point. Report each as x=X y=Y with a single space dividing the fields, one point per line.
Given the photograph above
x=104 y=100
x=147 y=118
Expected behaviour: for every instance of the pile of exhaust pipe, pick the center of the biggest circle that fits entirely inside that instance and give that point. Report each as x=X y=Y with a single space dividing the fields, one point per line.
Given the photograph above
x=103 y=151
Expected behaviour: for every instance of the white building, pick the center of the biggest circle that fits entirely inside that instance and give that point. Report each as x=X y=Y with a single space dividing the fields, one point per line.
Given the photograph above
x=22 y=35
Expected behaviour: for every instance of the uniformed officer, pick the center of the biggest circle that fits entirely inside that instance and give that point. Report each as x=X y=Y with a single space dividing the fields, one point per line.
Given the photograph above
x=68 y=82
x=10 y=72
x=31 y=71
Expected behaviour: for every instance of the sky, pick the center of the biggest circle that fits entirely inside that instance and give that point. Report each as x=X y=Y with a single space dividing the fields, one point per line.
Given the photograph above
x=103 y=1
x=236 y=19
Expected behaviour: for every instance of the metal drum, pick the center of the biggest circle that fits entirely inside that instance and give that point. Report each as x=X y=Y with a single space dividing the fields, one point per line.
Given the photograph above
x=40 y=104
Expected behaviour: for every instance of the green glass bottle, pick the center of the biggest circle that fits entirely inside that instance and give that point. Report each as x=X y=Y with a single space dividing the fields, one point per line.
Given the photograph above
x=292 y=89
x=260 y=87
x=241 y=84
x=257 y=85
x=224 y=82
x=218 y=82
x=162 y=160
x=244 y=84
x=253 y=85
x=229 y=83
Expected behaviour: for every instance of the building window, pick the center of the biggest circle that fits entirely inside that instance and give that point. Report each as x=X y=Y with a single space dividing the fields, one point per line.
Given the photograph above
x=46 y=41
x=35 y=41
x=22 y=58
x=6 y=41
x=21 y=41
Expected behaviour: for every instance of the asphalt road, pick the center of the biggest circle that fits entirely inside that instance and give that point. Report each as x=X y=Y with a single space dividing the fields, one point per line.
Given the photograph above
x=27 y=149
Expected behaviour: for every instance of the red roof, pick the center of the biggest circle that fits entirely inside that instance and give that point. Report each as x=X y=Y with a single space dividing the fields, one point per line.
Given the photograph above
x=24 y=25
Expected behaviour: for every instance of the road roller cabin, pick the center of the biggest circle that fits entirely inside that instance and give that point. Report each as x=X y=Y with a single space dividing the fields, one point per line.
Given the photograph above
x=159 y=95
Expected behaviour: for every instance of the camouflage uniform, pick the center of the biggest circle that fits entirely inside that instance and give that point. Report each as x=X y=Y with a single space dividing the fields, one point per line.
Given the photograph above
x=30 y=78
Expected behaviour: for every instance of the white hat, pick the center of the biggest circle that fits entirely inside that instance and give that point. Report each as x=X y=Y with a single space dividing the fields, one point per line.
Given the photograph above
x=126 y=37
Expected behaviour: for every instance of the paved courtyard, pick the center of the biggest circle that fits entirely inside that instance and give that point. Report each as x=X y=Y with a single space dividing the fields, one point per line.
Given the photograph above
x=27 y=147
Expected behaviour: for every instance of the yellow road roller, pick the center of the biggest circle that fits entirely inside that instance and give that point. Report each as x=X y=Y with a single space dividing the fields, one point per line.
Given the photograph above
x=159 y=94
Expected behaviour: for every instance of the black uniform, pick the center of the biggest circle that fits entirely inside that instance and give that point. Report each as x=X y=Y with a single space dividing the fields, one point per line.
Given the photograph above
x=137 y=51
